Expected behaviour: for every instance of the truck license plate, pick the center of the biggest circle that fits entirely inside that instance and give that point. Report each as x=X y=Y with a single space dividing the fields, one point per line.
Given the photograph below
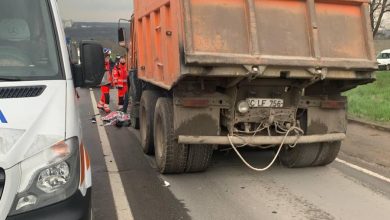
x=265 y=103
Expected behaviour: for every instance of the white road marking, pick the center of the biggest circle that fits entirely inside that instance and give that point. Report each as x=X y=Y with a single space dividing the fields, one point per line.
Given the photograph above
x=368 y=172
x=122 y=206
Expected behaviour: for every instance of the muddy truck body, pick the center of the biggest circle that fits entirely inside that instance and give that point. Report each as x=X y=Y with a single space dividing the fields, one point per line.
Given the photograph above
x=210 y=74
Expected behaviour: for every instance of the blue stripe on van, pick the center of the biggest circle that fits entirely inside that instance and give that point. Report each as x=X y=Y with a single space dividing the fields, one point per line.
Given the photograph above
x=2 y=118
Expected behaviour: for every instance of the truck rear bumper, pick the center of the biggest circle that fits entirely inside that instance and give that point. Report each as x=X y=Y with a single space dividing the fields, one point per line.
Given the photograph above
x=260 y=140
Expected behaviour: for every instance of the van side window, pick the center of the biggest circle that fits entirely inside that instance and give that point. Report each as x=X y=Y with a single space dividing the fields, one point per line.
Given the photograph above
x=27 y=40
x=384 y=56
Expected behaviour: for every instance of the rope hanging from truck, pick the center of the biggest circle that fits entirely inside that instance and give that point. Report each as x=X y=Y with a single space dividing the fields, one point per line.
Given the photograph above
x=279 y=129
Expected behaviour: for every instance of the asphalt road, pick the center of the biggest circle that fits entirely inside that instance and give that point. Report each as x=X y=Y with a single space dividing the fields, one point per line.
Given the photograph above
x=229 y=190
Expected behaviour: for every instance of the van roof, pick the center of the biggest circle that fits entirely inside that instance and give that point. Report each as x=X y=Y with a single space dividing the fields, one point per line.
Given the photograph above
x=386 y=51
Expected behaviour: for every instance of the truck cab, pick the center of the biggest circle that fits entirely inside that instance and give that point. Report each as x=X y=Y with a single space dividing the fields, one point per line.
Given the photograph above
x=45 y=170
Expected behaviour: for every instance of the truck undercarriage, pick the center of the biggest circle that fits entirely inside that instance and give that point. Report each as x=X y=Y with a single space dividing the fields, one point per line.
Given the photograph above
x=303 y=118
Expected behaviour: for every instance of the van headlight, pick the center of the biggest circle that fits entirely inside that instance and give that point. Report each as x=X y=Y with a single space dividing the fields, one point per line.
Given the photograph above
x=53 y=178
x=49 y=177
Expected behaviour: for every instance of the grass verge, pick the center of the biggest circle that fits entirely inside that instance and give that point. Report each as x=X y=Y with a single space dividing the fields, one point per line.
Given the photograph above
x=371 y=101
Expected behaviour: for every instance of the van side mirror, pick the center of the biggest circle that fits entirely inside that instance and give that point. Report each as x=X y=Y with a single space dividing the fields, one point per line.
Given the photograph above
x=91 y=70
x=121 y=37
x=74 y=53
x=77 y=74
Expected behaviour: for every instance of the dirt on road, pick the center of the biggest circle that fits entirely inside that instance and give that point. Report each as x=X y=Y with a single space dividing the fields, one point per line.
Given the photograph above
x=368 y=145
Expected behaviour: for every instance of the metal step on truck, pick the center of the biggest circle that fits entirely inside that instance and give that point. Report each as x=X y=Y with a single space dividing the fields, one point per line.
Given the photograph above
x=245 y=73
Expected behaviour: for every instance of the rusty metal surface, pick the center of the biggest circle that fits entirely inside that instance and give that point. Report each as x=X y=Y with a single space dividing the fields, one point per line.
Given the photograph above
x=264 y=114
x=209 y=59
x=325 y=121
x=341 y=31
x=219 y=26
x=157 y=38
x=197 y=112
x=260 y=140
x=238 y=73
x=174 y=35
x=196 y=121
x=312 y=33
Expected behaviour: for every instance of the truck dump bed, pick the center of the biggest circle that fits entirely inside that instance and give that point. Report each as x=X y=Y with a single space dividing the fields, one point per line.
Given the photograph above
x=172 y=34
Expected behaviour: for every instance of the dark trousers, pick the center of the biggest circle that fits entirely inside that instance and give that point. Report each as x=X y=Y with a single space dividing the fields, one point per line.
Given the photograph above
x=127 y=96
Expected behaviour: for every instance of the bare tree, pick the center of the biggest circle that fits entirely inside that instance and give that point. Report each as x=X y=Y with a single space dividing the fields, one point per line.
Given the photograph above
x=378 y=8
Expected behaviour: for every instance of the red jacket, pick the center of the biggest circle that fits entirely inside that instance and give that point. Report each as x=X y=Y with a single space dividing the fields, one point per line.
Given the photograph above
x=107 y=65
x=120 y=75
x=107 y=79
x=108 y=71
x=124 y=71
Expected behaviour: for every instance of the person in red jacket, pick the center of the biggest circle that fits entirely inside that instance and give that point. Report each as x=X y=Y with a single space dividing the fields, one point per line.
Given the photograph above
x=104 y=103
x=120 y=79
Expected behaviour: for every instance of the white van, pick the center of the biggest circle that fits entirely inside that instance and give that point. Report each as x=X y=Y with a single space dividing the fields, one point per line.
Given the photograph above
x=45 y=171
x=384 y=60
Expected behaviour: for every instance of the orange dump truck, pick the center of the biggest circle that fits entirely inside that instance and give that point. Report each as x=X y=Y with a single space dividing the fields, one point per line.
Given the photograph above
x=210 y=74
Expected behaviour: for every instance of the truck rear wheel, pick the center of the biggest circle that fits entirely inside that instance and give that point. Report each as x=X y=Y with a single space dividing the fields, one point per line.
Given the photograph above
x=302 y=155
x=328 y=153
x=134 y=114
x=147 y=107
x=199 y=157
x=135 y=91
x=310 y=155
x=171 y=157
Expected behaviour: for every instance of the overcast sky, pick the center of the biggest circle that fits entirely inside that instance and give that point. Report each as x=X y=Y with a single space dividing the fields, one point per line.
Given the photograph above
x=95 y=10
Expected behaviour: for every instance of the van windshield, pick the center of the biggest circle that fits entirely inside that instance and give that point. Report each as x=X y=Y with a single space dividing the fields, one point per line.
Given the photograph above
x=28 y=50
x=384 y=56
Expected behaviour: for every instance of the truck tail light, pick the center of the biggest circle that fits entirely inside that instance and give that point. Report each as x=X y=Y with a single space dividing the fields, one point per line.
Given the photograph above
x=333 y=104
x=197 y=103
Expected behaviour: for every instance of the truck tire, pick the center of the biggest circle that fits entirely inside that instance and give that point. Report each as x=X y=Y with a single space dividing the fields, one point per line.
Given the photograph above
x=134 y=118
x=147 y=107
x=302 y=155
x=328 y=153
x=310 y=155
x=171 y=157
x=199 y=158
x=135 y=97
